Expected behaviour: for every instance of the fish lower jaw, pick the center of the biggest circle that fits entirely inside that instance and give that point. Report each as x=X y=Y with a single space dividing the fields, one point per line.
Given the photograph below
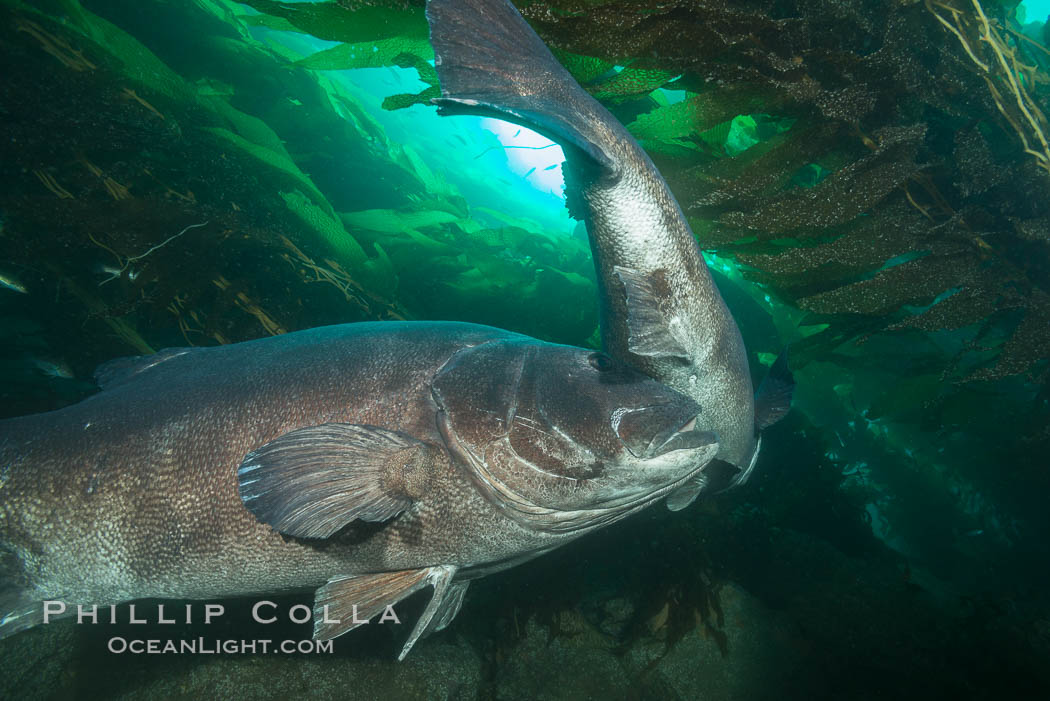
x=635 y=502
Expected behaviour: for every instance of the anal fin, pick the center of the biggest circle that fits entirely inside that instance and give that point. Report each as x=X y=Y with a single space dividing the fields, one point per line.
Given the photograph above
x=450 y=606
x=345 y=603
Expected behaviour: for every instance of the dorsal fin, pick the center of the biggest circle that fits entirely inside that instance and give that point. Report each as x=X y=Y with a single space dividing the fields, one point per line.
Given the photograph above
x=119 y=370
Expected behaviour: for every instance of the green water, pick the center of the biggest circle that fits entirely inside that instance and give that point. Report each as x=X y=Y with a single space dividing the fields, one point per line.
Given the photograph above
x=205 y=172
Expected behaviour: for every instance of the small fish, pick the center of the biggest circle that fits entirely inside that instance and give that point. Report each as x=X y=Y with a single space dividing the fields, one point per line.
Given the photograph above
x=53 y=368
x=113 y=272
x=516 y=134
x=552 y=167
x=10 y=283
x=531 y=171
x=106 y=269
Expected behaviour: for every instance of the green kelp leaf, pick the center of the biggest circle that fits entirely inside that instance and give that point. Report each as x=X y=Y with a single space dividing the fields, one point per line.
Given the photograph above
x=277 y=160
x=270 y=22
x=137 y=62
x=355 y=113
x=675 y=150
x=530 y=225
x=433 y=184
x=373 y=274
x=748 y=181
x=716 y=137
x=583 y=68
x=228 y=12
x=428 y=246
x=697 y=113
x=809 y=175
x=207 y=87
x=349 y=22
x=393 y=221
x=251 y=128
x=630 y=82
x=372 y=54
x=748 y=130
x=742 y=135
x=427 y=74
x=403 y=100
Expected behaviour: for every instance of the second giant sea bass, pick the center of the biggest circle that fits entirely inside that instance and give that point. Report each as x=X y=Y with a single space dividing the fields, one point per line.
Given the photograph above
x=660 y=309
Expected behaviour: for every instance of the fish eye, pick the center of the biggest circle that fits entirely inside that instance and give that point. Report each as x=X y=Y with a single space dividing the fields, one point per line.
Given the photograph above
x=600 y=362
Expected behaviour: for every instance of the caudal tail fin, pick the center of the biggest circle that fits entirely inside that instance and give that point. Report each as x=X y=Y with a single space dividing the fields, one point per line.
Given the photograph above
x=491 y=63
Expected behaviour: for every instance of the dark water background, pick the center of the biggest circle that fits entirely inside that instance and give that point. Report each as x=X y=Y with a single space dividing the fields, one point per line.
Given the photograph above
x=861 y=198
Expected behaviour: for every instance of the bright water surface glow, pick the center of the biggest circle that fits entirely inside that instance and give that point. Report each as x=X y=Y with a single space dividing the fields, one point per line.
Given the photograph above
x=495 y=165
x=530 y=155
x=1034 y=10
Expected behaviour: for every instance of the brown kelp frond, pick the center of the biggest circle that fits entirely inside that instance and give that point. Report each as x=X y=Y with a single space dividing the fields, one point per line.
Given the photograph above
x=897 y=196
x=1003 y=71
x=58 y=47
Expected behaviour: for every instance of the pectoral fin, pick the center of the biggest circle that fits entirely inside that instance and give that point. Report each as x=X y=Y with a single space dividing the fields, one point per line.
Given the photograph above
x=647 y=323
x=313 y=481
x=348 y=602
x=773 y=399
x=716 y=477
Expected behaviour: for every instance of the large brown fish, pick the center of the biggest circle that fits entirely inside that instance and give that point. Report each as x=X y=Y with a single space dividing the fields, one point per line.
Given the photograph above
x=368 y=459
x=660 y=309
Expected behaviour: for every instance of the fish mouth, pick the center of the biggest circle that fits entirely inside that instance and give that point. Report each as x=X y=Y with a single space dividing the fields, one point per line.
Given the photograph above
x=522 y=509
x=641 y=432
x=686 y=437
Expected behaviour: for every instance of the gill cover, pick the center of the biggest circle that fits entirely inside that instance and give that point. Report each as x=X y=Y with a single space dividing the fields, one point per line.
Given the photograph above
x=494 y=414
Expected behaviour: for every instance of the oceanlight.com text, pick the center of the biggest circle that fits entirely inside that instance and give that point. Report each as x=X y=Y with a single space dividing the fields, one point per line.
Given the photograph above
x=213 y=646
